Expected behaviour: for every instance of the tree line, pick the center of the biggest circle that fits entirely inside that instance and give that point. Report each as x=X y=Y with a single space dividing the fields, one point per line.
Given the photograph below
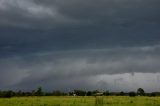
x=39 y=92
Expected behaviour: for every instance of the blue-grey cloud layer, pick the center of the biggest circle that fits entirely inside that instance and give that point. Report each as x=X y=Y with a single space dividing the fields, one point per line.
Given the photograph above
x=57 y=41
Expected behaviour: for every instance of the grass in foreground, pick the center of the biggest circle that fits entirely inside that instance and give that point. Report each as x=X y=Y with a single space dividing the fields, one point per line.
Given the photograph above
x=81 y=101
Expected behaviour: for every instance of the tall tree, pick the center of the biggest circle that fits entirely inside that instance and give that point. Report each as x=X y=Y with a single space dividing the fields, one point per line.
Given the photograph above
x=140 y=92
x=39 y=92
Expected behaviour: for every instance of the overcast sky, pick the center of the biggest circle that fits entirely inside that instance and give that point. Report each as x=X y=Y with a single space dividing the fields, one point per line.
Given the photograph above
x=80 y=44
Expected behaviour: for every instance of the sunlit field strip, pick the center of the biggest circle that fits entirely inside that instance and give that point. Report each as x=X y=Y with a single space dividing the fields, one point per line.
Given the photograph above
x=81 y=101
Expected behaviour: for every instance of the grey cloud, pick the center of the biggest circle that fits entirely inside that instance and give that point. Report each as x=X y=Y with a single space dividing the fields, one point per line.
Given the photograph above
x=38 y=25
x=65 y=66
x=35 y=25
x=147 y=81
x=113 y=10
x=69 y=42
x=52 y=13
x=21 y=13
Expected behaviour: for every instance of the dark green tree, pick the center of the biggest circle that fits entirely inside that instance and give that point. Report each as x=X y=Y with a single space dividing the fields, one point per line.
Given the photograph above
x=121 y=93
x=89 y=93
x=19 y=93
x=106 y=93
x=80 y=92
x=140 y=92
x=132 y=94
x=39 y=92
x=7 y=94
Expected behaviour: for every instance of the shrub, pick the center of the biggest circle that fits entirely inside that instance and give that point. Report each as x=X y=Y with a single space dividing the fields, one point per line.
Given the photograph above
x=132 y=94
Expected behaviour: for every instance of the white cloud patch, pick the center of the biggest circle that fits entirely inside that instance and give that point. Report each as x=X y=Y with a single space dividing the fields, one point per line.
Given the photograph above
x=26 y=13
x=28 y=7
x=127 y=82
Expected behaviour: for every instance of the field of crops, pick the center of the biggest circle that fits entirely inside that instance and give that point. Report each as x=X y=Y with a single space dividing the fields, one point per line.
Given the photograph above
x=81 y=101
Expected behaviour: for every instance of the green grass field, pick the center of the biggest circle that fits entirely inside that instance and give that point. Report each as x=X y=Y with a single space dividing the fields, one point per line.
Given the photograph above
x=80 y=101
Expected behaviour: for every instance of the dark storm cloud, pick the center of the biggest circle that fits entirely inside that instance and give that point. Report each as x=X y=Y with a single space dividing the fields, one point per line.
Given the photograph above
x=102 y=13
x=53 y=24
x=79 y=44
x=21 y=13
x=34 y=25
x=70 y=69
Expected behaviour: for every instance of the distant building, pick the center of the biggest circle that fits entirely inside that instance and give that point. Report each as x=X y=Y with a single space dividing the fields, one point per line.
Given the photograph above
x=99 y=94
